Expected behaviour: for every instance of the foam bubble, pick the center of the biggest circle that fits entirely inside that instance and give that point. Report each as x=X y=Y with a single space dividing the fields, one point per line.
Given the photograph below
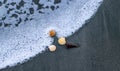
x=29 y=36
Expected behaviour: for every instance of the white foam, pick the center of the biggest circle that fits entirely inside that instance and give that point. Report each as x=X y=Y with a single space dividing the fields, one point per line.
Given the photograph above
x=20 y=43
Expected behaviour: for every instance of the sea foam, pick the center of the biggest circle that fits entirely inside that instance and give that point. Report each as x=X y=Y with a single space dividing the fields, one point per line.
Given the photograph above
x=18 y=44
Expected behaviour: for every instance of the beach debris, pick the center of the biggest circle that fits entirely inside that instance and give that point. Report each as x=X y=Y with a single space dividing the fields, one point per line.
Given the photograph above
x=52 y=33
x=68 y=45
x=62 y=41
x=52 y=48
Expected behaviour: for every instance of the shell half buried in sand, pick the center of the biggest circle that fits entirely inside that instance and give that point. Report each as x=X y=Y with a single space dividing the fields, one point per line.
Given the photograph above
x=62 y=41
x=52 y=48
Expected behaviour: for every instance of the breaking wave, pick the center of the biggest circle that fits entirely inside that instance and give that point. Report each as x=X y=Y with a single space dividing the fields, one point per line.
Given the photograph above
x=24 y=25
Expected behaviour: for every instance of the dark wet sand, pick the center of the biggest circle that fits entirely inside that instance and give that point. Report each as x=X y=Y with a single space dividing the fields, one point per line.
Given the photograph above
x=99 y=50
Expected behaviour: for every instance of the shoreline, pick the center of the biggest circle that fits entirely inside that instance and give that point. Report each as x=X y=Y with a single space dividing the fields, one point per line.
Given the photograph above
x=99 y=40
x=31 y=38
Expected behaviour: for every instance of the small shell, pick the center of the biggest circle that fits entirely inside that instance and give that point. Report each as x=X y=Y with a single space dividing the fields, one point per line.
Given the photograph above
x=62 y=41
x=52 y=33
x=52 y=48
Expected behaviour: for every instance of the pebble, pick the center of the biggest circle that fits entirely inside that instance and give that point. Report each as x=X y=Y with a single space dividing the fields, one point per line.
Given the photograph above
x=62 y=41
x=52 y=48
x=52 y=33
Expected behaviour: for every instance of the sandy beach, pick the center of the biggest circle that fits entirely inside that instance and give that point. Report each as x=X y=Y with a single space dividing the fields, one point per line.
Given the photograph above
x=99 y=49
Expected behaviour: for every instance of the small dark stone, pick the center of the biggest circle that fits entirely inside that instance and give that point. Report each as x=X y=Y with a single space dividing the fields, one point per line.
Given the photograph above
x=28 y=14
x=16 y=25
x=8 y=11
x=31 y=3
x=4 y=1
x=20 y=20
x=21 y=3
x=31 y=18
x=0 y=24
x=13 y=3
x=57 y=7
x=3 y=18
x=6 y=25
x=52 y=7
x=31 y=10
x=36 y=1
x=6 y=6
x=24 y=12
x=26 y=19
x=40 y=6
x=57 y=1
x=41 y=12
x=49 y=0
x=14 y=15
x=68 y=45
x=18 y=12
x=18 y=7
x=0 y=3
x=47 y=7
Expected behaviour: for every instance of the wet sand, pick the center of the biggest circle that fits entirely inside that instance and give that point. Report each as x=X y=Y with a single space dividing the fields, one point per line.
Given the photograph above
x=99 y=49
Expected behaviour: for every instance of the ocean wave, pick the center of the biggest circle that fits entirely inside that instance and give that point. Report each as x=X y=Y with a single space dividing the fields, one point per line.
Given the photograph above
x=24 y=25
